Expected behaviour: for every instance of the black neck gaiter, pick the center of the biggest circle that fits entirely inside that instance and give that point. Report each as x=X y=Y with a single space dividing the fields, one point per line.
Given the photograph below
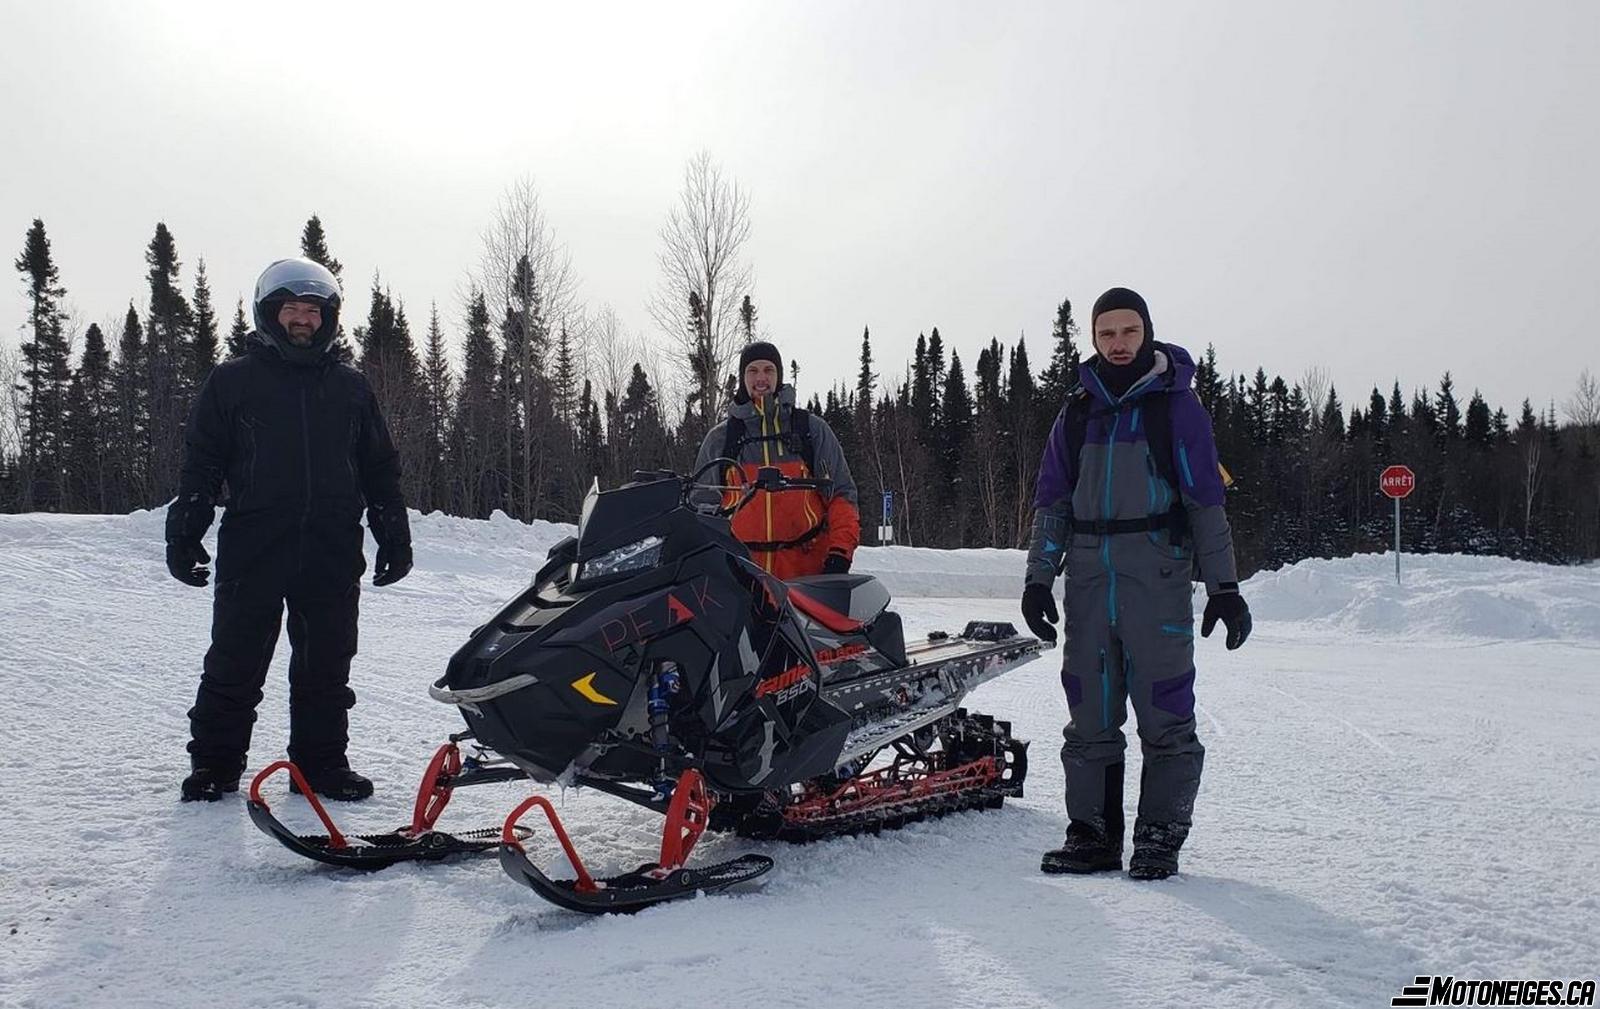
x=1119 y=378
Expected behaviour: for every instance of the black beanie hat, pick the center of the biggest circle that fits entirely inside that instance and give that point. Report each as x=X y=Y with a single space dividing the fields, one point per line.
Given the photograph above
x=1122 y=297
x=761 y=350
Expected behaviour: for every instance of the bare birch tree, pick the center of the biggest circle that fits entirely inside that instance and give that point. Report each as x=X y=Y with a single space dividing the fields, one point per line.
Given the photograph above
x=531 y=290
x=704 y=281
x=1583 y=407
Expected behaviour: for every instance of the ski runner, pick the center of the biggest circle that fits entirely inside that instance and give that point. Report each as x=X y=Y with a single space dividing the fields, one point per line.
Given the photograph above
x=1129 y=526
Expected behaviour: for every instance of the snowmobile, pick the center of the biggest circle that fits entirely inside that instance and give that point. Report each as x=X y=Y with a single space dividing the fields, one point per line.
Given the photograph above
x=653 y=660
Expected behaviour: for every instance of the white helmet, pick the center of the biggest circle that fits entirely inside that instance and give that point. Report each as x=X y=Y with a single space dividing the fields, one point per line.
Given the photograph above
x=297 y=280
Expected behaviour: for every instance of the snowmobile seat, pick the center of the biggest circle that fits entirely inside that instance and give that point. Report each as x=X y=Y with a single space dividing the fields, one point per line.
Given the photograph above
x=841 y=603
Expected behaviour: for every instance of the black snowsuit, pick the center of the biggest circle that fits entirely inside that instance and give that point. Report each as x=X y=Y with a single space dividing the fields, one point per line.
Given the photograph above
x=302 y=451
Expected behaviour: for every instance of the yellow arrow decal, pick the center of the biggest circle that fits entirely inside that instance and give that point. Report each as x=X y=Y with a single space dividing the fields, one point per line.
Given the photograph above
x=585 y=686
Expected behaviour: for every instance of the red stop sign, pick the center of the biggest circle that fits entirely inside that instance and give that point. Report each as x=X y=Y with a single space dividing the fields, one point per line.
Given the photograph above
x=1397 y=481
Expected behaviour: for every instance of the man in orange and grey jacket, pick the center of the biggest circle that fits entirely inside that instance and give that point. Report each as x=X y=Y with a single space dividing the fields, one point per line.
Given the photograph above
x=793 y=532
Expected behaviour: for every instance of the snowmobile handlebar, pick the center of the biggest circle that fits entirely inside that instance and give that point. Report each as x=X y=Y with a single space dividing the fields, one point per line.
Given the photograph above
x=768 y=478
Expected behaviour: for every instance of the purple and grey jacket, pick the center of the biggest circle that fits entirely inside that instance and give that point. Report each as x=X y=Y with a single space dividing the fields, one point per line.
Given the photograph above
x=1115 y=478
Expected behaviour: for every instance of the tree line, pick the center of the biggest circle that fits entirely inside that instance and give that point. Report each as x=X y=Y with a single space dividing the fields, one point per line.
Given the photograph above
x=547 y=397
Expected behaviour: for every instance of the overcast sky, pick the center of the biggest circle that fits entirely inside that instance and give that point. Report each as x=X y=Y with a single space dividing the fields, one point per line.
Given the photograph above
x=1383 y=189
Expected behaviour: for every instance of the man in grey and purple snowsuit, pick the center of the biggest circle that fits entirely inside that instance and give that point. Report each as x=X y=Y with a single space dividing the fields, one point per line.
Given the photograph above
x=1129 y=503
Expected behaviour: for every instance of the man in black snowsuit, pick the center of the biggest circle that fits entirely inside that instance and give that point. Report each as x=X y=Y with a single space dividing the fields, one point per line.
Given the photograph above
x=302 y=447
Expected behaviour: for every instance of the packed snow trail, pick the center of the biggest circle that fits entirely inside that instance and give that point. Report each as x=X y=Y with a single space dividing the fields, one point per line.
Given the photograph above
x=1399 y=780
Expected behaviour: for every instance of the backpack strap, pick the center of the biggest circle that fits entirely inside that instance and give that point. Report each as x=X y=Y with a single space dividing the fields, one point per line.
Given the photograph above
x=798 y=440
x=733 y=438
x=803 y=443
x=1075 y=421
x=1158 y=442
x=1158 y=435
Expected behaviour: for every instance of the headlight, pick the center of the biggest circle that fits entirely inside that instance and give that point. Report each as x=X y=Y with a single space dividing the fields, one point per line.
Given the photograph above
x=636 y=556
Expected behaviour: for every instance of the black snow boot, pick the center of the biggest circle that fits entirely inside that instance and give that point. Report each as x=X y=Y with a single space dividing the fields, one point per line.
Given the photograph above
x=338 y=783
x=1155 y=849
x=206 y=784
x=1088 y=848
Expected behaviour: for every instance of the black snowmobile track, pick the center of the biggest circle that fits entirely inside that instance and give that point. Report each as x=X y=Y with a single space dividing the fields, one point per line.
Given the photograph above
x=872 y=821
x=973 y=736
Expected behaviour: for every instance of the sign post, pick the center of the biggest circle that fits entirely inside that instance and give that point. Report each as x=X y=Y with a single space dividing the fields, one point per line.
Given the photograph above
x=886 y=530
x=1397 y=482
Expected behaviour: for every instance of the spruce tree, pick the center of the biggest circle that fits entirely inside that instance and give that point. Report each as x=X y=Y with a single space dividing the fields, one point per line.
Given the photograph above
x=591 y=434
x=1258 y=408
x=747 y=319
x=1448 y=410
x=1208 y=382
x=47 y=373
x=936 y=369
x=1377 y=416
x=203 y=352
x=168 y=369
x=988 y=457
x=643 y=433
x=91 y=413
x=437 y=386
x=475 y=431
x=922 y=390
x=955 y=433
x=239 y=335
x=866 y=378
x=130 y=433
x=1333 y=416
x=1062 y=373
x=1397 y=410
x=1424 y=418
x=1479 y=426
x=314 y=246
x=564 y=383
x=1026 y=427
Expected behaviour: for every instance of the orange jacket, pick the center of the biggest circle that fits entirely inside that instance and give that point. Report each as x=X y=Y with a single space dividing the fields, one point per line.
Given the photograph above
x=822 y=525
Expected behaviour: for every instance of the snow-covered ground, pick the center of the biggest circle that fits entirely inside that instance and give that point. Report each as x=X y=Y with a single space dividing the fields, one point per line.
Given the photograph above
x=1400 y=780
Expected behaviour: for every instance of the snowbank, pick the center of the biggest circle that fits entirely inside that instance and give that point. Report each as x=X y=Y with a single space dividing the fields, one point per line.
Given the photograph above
x=1440 y=596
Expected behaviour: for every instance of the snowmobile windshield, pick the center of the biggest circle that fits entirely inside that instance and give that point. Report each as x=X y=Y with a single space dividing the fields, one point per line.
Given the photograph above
x=621 y=531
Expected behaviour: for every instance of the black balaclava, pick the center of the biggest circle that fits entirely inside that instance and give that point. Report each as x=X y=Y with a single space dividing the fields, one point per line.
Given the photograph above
x=761 y=350
x=1119 y=379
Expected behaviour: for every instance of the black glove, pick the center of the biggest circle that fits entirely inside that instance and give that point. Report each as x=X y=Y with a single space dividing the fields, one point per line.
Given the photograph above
x=1228 y=606
x=186 y=561
x=1038 y=607
x=394 y=563
x=835 y=563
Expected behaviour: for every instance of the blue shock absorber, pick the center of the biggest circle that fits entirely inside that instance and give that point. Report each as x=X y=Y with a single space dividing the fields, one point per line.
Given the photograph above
x=658 y=705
